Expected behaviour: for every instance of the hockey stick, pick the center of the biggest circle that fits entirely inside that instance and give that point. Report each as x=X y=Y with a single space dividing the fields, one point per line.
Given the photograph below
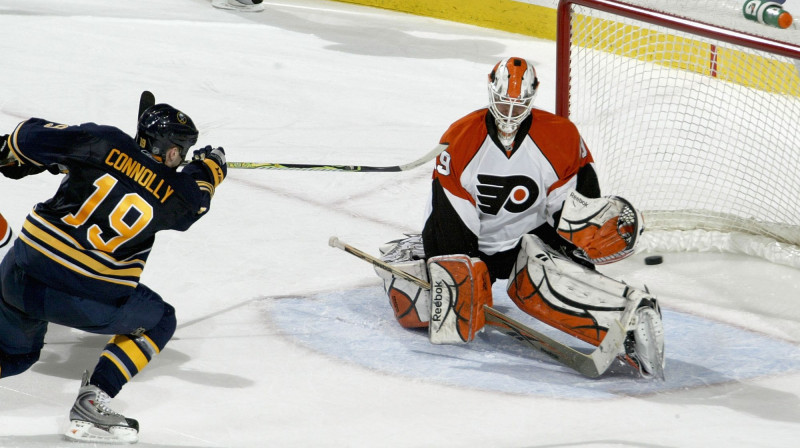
x=147 y=99
x=354 y=168
x=591 y=365
x=337 y=243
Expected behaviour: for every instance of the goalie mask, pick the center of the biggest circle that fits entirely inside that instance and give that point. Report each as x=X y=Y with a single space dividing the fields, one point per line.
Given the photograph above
x=512 y=88
x=162 y=127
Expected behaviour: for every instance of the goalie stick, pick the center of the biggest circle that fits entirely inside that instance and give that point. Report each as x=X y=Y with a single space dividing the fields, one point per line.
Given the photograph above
x=591 y=365
x=339 y=244
x=147 y=99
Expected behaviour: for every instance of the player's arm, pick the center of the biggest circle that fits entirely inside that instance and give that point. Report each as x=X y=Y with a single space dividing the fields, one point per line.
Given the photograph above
x=575 y=168
x=208 y=168
x=10 y=166
x=445 y=231
x=37 y=145
x=452 y=225
x=605 y=229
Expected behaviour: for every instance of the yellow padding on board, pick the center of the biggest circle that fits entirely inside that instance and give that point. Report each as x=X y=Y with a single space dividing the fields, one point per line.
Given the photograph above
x=506 y=15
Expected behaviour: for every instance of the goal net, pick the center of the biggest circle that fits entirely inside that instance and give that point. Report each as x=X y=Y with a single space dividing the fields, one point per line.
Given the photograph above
x=692 y=112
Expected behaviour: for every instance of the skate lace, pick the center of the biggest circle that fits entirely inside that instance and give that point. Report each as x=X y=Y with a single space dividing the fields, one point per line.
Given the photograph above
x=101 y=403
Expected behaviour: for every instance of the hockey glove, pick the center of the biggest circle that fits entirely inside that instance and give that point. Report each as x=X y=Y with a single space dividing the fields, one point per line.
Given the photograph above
x=10 y=166
x=604 y=229
x=214 y=161
x=5 y=154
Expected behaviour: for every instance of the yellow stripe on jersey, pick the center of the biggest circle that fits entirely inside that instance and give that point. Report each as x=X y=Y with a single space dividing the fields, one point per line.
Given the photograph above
x=74 y=267
x=206 y=186
x=78 y=255
x=126 y=263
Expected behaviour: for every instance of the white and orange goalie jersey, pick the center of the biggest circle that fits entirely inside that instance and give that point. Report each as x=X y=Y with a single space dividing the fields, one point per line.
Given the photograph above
x=485 y=198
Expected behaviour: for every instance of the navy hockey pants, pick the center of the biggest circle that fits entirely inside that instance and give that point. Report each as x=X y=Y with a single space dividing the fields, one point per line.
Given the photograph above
x=27 y=305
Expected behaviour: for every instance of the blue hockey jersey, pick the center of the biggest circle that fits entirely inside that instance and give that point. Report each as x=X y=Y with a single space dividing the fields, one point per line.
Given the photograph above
x=92 y=238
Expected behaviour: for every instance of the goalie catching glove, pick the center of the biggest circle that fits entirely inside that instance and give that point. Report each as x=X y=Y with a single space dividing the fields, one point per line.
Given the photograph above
x=604 y=229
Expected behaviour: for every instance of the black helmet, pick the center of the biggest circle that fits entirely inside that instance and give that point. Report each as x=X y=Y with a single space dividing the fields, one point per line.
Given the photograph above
x=162 y=126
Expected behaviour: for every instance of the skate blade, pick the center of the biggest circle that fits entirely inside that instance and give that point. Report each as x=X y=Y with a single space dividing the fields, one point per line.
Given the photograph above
x=80 y=431
x=658 y=367
x=223 y=4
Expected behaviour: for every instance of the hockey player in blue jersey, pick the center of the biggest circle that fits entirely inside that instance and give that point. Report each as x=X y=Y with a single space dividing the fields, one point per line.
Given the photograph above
x=78 y=257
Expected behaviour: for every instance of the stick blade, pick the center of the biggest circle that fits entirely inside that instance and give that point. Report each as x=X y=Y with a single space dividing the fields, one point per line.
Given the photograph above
x=146 y=101
x=590 y=365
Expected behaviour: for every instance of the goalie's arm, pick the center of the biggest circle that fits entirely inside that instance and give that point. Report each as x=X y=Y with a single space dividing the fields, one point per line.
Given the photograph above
x=445 y=231
x=584 y=182
x=606 y=229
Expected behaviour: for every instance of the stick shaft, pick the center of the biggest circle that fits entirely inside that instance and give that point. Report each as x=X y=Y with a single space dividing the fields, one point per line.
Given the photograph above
x=335 y=242
x=147 y=99
x=329 y=167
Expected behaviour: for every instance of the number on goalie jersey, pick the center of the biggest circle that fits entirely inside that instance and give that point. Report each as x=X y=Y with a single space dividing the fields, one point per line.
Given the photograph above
x=79 y=255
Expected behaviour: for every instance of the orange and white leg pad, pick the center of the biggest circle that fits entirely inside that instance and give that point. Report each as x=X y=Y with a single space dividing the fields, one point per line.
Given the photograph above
x=460 y=286
x=578 y=301
x=410 y=302
x=452 y=309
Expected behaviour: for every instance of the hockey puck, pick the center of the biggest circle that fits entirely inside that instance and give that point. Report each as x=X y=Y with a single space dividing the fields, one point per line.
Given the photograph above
x=653 y=259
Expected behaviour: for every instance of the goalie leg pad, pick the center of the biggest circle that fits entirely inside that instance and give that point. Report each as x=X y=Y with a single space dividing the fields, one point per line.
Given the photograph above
x=460 y=287
x=578 y=301
x=410 y=302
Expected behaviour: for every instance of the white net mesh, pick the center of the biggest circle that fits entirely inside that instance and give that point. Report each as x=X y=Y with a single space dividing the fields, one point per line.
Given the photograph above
x=700 y=134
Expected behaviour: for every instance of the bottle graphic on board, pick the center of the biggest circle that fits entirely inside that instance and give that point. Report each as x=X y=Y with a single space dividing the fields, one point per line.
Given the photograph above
x=768 y=12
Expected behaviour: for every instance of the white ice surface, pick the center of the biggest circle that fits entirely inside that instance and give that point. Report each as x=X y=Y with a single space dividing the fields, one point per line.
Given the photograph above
x=283 y=341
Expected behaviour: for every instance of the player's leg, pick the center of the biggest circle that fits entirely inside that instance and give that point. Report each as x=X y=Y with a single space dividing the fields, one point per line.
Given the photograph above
x=460 y=286
x=141 y=327
x=584 y=303
x=21 y=336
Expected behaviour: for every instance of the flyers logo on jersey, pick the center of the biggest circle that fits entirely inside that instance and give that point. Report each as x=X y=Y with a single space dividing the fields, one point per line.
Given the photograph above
x=513 y=193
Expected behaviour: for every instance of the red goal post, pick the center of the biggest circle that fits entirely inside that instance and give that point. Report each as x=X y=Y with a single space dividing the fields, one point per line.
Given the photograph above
x=696 y=123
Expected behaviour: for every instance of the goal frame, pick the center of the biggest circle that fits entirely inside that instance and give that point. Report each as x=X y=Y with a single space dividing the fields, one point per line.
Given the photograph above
x=670 y=239
x=564 y=28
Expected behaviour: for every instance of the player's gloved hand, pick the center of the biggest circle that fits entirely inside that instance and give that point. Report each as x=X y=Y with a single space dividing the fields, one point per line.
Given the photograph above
x=17 y=171
x=214 y=160
x=5 y=153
